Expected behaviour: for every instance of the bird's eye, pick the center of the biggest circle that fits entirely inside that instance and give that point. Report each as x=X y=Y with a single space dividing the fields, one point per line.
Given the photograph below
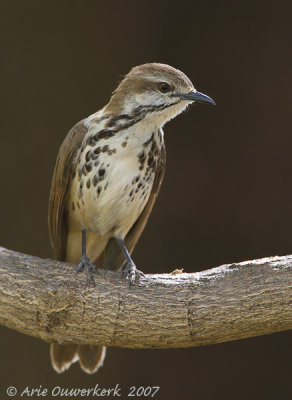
x=164 y=87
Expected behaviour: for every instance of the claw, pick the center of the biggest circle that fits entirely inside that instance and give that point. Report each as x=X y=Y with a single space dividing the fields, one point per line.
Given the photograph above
x=86 y=264
x=132 y=273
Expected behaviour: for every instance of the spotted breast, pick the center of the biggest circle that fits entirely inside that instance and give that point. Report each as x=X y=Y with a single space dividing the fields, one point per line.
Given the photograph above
x=111 y=184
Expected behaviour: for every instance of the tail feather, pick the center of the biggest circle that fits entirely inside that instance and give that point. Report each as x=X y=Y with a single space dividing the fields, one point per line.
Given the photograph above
x=90 y=357
x=62 y=356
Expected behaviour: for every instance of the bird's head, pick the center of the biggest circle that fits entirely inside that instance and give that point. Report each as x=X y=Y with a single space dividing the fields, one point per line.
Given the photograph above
x=158 y=90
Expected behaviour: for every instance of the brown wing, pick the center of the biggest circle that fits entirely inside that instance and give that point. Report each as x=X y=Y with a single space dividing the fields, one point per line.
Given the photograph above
x=114 y=258
x=138 y=227
x=60 y=187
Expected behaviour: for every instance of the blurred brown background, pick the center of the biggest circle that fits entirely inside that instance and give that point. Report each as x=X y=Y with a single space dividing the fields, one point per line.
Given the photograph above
x=227 y=191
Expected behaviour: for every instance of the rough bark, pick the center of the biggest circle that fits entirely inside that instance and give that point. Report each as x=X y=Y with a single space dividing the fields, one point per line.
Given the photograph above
x=45 y=299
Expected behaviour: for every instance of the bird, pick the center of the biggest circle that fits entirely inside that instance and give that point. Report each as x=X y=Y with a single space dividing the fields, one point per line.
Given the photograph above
x=107 y=176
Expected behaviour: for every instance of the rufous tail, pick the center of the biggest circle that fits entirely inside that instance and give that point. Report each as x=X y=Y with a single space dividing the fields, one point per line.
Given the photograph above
x=90 y=357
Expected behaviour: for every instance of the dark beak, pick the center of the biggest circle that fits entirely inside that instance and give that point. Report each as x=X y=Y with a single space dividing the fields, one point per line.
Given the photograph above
x=197 y=97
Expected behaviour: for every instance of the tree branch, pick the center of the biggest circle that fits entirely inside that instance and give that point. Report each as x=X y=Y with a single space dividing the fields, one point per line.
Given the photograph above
x=44 y=298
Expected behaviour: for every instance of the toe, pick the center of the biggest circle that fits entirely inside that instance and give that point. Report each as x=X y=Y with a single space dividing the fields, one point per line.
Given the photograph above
x=132 y=273
x=79 y=268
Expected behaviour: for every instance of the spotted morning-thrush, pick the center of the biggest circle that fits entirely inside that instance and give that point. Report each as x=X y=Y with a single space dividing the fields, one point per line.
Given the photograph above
x=107 y=176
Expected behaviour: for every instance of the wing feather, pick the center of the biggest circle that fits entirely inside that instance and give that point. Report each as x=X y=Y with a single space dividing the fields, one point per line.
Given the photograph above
x=113 y=258
x=58 y=228
x=138 y=227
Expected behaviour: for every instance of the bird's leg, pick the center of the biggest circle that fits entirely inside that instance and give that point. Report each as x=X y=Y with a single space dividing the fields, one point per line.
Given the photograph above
x=130 y=271
x=85 y=263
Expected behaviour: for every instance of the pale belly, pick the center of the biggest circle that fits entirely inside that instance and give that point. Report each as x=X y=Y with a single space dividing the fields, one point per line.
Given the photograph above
x=109 y=191
x=111 y=205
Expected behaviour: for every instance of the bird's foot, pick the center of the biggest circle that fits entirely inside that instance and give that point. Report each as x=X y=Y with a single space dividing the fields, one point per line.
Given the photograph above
x=132 y=273
x=86 y=264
